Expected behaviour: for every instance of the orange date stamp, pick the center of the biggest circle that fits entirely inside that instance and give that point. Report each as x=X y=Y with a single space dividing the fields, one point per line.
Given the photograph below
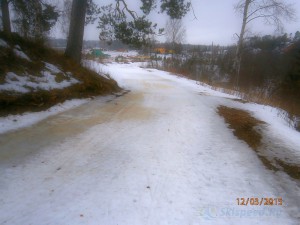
x=259 y=201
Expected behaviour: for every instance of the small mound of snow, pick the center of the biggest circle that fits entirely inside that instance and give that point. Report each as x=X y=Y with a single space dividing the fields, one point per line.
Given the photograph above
x=52 y=68
x=14 y=83
x=21 y=54
x=18 y=47
x=47 y=82
x=3 y=44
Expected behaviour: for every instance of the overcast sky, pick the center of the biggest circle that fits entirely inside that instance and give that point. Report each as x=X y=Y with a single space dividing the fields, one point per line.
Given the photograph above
x=216 y=22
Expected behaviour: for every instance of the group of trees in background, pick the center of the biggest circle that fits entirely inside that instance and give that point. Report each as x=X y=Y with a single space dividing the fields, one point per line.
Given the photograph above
x=272 y=12
x=269 y=72
x=175 y=34
x=33 y=18
x=264 y=69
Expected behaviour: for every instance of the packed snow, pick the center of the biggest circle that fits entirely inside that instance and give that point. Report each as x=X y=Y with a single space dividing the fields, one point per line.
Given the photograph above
x=158 y=155
x=46 y=81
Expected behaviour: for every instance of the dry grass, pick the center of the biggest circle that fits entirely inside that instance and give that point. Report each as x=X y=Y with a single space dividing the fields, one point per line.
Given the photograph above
x=91 y=84
x=288 y=101
x=285 y=96
x=292 y=170
x=243 y=125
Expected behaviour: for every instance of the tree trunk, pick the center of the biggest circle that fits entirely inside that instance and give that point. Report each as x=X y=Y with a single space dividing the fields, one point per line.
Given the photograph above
x=238 y=55
x=38 y=30
x=76 y=31
x=5 y=16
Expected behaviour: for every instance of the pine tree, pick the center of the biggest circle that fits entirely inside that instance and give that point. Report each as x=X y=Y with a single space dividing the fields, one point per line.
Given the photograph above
x=76 y=31
x=5 y=16
x=33 y=18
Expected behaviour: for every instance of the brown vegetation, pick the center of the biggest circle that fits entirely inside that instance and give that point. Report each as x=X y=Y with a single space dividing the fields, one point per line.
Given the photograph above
x=269 y=72
x=243 y=125
x=244 y=128
x=91 y=84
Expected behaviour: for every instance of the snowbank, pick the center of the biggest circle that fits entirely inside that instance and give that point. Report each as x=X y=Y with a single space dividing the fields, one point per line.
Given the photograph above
x=21 y=54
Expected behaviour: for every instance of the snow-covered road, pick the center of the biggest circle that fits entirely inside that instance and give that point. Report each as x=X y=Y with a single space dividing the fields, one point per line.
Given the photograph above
x=160 y=154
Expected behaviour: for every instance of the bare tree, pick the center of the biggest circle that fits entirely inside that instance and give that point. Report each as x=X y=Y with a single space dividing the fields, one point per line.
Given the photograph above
x=175 y=33
x=272 y=12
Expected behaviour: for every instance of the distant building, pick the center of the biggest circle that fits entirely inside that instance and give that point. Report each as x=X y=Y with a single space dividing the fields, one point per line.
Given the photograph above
x=163 y=51
x=99 y=53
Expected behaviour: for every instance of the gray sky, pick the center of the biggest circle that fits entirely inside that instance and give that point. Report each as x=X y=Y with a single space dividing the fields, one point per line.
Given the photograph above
x=216 y=22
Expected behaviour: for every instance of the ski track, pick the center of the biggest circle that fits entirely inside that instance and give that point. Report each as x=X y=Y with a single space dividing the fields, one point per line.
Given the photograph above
x=158 y=155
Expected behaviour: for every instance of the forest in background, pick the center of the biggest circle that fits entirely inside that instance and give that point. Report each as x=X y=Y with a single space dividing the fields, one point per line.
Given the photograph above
x=269 y=73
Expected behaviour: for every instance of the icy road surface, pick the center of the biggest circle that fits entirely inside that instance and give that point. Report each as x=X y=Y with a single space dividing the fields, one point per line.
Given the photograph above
x=158 y=155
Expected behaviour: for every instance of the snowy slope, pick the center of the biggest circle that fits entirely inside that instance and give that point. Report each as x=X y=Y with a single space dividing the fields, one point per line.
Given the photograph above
x=46 y=80
x=158 y=155
x=50 y=77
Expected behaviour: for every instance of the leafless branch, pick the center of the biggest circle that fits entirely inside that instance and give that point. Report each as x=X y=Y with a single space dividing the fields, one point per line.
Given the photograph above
x=132 y=13
x=195 y=17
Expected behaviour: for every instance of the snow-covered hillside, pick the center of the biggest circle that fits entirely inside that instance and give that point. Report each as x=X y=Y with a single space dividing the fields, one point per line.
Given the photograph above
x=50 y=77
x=34 y=78
x=160 y=154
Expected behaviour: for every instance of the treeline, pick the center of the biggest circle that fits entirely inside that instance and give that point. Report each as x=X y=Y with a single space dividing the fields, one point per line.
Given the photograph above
x=116 y=21
x=269 y=70
x=88 y=44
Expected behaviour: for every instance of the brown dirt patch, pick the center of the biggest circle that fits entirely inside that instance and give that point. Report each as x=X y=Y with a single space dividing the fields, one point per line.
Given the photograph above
x=290 y=169
x=129 y=108
x=243 y=125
